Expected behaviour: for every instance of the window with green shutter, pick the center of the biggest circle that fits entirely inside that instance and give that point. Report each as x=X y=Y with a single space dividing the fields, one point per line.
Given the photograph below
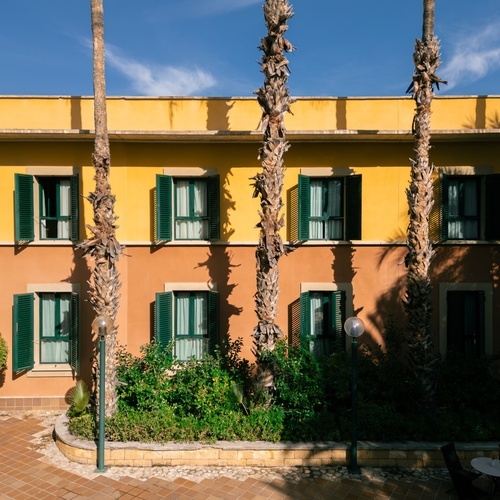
x=466 y=323
x=329 y=208
x=470 y=207
x=322 y=315
x=187 y=208
x=56 y=341
x=189 y=320
x=57 y=210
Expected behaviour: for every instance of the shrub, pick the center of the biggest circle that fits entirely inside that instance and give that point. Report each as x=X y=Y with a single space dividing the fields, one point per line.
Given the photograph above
x=202 y=388
x=144 y=381
x=215 y=398
x=298 y=382
x=83 y=425
x=4 y=352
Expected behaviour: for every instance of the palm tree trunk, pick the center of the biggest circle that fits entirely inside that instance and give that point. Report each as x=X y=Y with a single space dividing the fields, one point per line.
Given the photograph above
x=275 y=101
x=418 y=301
x=103 y=247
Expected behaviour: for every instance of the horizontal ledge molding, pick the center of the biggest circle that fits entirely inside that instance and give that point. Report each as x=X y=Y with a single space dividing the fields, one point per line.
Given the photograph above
x=187 y=244
x=337 y=135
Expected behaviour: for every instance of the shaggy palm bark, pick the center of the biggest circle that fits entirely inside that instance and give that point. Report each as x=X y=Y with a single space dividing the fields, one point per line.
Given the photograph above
x=275 y=101
x=418 y=303
x=102 y=247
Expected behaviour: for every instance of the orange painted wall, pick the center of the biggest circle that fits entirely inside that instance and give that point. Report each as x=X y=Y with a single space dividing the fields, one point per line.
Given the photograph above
x=373 y=266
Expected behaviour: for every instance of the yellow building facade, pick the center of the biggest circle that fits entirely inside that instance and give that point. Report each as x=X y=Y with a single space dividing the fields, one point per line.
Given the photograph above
x=181 y=171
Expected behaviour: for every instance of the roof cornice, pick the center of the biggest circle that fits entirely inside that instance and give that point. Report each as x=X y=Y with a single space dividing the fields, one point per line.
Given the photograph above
x=242 y=136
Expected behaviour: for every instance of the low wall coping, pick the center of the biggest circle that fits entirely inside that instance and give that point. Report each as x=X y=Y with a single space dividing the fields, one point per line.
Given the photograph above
x=70 y=446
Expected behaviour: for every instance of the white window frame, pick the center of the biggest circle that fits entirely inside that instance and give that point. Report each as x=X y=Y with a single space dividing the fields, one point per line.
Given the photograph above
x=186 y=287
x=334 y=287
x=186 y=173
x=476 y=171
x=47 y=369
x=37 y=172
x=487 y=288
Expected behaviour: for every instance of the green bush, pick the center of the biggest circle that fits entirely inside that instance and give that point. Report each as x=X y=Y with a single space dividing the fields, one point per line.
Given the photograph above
x=298 y=382
x=4 y=352
x=216 y=399
x=144 y=381
x=83 y=425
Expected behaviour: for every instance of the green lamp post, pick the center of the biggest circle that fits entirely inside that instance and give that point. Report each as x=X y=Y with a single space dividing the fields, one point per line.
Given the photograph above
x=354 y=327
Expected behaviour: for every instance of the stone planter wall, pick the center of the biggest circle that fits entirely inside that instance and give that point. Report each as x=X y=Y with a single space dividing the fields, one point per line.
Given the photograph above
x=251 y=454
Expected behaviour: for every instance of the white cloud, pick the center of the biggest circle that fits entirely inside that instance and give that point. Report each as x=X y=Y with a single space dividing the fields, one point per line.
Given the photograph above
x=160 y=80
x=473 y=57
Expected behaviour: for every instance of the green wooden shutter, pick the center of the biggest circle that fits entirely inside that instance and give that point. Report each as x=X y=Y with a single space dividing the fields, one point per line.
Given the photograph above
x=214 y=207
x=163 y=221
x=22 y=332
x=213 y=321
x=436 y=210
x=481 y=321
x=305 y=315
x=24 y=208
x=337 y=317
x=444 y=207
x=74 y=355
x=455 y=329
x=75 y=203
x=304 y=206
x=163 y=318
x=353 y=207
x=492 y=207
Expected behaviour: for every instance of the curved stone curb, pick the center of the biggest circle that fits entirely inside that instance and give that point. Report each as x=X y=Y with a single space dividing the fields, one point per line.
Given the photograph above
x=260 y=453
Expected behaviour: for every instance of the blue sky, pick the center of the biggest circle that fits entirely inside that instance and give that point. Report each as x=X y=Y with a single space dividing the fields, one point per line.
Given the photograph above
x=210 y=47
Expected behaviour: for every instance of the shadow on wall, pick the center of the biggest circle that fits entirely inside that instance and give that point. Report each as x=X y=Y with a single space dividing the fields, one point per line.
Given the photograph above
x=80 y=273
x=76 y=113
x=480 y=120
x=219 y=265
x=218 y=114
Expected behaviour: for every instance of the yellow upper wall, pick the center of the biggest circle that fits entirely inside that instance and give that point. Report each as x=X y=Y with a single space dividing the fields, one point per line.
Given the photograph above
x=243 y=114
x=383 y=164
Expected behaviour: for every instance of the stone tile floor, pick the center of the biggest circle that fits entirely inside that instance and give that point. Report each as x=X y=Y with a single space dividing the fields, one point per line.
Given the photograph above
x=31 y=467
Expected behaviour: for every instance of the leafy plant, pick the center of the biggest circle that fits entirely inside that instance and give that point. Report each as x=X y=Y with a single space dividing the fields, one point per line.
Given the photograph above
x=297 y=377
x=4 y=352
x=79 y=398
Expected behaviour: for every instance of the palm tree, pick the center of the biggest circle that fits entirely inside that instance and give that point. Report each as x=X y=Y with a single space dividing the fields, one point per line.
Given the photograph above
x=275 y=101
x=102 y=247
x=418 y=302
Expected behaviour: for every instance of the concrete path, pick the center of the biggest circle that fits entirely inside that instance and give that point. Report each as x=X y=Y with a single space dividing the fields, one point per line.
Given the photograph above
x=28 y=473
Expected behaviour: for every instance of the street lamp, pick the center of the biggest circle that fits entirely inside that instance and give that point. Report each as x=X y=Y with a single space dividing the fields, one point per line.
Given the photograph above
x=354 y=327
x=101 y=326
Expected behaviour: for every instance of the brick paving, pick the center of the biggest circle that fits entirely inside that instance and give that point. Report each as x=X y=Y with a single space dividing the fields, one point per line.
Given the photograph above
x=25 y=473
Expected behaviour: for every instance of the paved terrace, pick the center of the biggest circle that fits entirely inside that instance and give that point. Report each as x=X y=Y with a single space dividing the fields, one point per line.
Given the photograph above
x=31 y=466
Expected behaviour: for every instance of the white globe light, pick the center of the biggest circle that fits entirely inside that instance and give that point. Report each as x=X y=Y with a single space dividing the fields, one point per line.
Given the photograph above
x=102 y=322
x=354 y=327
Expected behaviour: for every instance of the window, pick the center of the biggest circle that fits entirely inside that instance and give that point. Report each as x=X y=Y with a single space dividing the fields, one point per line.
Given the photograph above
x=470 y=210
x=189 y=319
x=466 y=319
x=322 y=315
x=187 y=208
x=45 y=330
x=466 y=322
x=330 y=208
x=55 y=216
x=55 y=327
